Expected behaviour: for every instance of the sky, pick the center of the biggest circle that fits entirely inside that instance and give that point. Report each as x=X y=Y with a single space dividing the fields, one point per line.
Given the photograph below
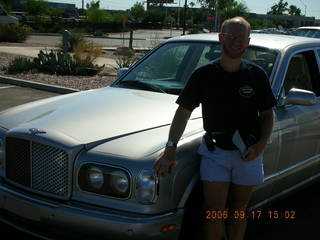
x=311 y=7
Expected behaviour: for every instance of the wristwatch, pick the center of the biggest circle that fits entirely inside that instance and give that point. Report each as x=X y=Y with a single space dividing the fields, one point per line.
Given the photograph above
x=171 y=144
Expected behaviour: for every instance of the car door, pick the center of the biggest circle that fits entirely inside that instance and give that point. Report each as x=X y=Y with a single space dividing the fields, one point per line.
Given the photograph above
x=298 y=124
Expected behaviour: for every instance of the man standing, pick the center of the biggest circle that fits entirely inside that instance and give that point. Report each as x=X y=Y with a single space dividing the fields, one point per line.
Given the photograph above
x=235 y=97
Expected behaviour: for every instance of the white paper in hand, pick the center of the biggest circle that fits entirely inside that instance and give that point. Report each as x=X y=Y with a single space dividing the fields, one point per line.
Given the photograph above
x=238 y=142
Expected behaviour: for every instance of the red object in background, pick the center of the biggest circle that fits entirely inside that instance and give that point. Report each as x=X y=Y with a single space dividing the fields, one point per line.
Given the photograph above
x=210 y=18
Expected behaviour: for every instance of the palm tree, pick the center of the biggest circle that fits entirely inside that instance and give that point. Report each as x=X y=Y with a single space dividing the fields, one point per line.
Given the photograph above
x=294 y=10
x=279 y=8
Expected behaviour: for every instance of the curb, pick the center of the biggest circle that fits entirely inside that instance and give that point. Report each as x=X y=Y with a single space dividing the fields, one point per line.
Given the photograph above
x=86 y=35
x=135 y=49
x=36 y=85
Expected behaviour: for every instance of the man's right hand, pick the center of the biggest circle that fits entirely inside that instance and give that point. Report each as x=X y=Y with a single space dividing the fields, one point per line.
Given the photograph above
x=166 y=162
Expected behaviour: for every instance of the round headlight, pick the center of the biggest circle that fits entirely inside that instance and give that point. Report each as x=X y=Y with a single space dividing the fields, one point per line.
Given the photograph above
x=95 y=177
x=119 y=181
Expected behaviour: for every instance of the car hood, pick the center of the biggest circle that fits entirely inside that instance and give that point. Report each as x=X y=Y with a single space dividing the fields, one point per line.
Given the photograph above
x=95 y=115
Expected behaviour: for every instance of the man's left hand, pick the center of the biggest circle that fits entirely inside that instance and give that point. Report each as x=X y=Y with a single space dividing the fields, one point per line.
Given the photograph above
x=253 y=151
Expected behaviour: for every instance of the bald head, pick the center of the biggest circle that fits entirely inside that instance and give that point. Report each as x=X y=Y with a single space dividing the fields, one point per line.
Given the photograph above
x=240 y=21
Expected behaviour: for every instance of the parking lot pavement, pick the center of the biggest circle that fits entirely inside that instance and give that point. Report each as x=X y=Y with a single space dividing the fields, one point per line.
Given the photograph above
x=11 y=95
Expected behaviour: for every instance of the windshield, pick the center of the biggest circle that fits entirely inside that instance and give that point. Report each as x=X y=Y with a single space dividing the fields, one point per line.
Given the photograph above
x=169 y=67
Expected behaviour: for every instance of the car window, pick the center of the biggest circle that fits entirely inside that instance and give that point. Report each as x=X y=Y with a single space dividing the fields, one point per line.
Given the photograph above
x=265 y=58
x=209 y=53
x=170 y=66
x=303 y=73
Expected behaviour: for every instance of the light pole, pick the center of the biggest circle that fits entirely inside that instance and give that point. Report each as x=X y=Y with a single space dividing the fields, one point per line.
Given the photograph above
x=184 y=17
x=179 y=15
x=216 y=17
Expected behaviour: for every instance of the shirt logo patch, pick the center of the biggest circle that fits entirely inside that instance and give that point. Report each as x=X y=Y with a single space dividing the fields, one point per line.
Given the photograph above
x=246 y=91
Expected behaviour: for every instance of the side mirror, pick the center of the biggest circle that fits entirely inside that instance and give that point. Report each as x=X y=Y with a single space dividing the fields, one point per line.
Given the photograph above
x=122 y=71
x=298 y=97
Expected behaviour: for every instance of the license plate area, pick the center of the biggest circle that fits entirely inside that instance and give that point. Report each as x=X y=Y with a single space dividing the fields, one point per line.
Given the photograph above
x=21 y=209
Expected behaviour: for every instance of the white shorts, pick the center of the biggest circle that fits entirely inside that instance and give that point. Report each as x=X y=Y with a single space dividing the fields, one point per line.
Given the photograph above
x=227 y=166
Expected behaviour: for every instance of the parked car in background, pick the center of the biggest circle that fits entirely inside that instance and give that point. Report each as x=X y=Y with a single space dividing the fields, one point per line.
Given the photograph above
x=5 y=18
x=21 y=16
x=311 y=31
x=270 y=31
x=81 y=164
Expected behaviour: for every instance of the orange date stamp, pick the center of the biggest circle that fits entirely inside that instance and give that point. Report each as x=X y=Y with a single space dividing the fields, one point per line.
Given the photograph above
x=254 y=214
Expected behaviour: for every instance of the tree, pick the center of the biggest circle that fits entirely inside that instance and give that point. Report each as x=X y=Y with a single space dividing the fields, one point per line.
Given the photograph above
x=137 y=12
x=154 y=15
x=120 y=17
x=96 y=15
x=37 y=7
x=279 y=8
x=226 y=8
x=294 y=10
x=192 y=4
x=233 y=10
x=200 y=15
x=7 y=4
x=93 y=4
x=55 y=13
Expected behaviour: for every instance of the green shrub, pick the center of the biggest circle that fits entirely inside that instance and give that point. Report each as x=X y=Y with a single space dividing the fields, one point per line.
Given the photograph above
x=54 y=63
x=125 y=61
x=19 y=65
x=14 y=33
x=64 y=64
x=194 y=30
x=76 y=39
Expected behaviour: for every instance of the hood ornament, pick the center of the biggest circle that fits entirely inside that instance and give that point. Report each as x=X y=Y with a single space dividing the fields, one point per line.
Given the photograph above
x=36 y=131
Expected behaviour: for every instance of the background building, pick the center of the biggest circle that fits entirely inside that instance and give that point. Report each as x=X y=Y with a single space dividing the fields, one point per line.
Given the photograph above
x=70 y=10
x=292 y=21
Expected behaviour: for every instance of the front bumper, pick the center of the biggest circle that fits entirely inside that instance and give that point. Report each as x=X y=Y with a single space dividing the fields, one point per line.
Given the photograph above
x=52 y=220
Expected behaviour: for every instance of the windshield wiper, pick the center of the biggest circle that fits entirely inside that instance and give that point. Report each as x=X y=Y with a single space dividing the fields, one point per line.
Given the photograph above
x=140 y=84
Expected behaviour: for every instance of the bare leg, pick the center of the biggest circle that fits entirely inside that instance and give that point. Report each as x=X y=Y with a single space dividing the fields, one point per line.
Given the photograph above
x=239 y=196
x=215 y=196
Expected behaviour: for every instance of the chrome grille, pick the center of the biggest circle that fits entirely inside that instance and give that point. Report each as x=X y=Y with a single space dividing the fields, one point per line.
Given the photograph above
x=49 y=169
x=18 y=167
x=37 y=166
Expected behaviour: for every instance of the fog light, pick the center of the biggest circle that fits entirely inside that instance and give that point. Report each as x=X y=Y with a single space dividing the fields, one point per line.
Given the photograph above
x=168 y=228
x=147 y=187
x=96 y=178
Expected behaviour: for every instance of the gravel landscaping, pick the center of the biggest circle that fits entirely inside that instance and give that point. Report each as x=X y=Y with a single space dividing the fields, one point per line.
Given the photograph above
x=104 y=78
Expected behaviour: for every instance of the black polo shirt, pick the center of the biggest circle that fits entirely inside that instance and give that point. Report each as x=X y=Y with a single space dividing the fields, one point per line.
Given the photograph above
x=230 y=100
